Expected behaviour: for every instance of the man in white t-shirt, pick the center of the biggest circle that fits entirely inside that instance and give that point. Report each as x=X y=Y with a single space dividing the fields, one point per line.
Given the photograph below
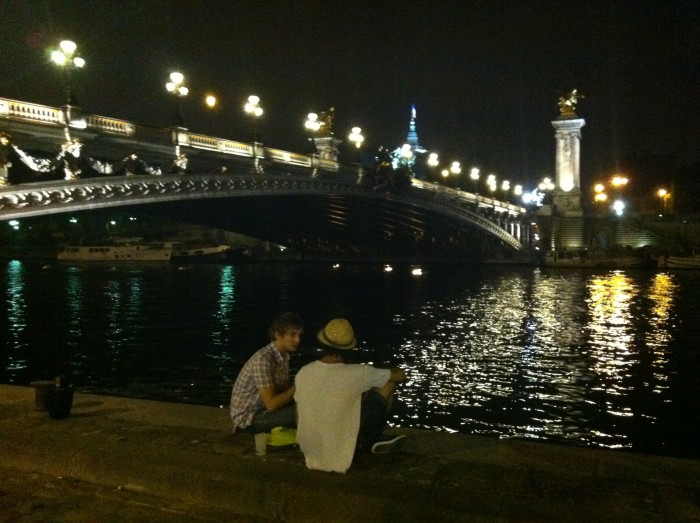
x=342 y=406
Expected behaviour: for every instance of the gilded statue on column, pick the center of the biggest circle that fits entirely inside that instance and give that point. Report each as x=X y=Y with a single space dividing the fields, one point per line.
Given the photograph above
x=567 y=103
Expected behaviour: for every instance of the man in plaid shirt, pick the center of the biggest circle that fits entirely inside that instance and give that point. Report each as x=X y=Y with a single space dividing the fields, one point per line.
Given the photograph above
x=263 y=397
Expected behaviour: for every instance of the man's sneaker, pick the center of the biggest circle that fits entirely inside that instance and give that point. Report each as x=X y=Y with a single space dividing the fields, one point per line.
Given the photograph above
x=388 y=444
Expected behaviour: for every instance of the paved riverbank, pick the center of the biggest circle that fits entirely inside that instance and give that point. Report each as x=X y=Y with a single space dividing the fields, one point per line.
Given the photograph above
x=121 y=459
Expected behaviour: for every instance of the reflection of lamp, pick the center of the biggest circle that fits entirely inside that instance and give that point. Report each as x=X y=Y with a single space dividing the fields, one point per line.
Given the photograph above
x=176 y=87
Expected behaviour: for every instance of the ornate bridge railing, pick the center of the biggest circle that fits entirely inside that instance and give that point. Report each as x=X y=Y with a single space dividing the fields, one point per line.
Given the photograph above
x=500 y=219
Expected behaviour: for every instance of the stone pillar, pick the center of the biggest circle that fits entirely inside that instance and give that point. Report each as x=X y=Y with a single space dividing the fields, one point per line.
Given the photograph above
x=566 y=196
x=327 y=147
x=567 y=191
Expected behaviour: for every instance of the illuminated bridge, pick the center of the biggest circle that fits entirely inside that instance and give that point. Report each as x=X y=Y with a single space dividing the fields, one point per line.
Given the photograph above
x=306 y=202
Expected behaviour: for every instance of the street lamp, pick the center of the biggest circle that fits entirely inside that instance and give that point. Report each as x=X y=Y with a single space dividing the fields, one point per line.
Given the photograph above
x=356 y=137
x=505 y=187
x=474 y=175
x=66 y=56
x=663 y=195
x=433 y=160
x=255 y=111
x=619 y=181
x=177 y=88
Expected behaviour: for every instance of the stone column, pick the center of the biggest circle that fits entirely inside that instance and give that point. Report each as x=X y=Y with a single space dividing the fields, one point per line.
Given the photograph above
x=566 y=197
x=327 y=147
x=567 y=192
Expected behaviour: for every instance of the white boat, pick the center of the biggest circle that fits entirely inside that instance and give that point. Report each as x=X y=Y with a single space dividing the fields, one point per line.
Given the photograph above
x=122 y=250
x=206 y=253
x=581 y=259
x=690 y=260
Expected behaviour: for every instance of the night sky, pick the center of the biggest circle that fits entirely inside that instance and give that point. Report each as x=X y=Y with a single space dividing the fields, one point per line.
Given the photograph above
x=484 y=76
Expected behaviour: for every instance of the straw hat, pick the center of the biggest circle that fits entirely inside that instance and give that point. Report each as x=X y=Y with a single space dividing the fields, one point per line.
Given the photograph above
x=338 y=334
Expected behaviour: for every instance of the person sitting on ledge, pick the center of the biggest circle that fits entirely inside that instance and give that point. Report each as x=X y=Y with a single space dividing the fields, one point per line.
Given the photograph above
x=262 y=396
x=342 y=407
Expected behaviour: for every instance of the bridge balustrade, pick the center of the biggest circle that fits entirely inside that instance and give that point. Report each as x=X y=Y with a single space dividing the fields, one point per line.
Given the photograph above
x=499 y=218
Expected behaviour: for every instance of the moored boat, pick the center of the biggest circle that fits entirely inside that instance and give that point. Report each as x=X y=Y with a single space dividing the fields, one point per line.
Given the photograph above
x=581 y=259
x=683 y=260
x=202 y=253
x=121 y=250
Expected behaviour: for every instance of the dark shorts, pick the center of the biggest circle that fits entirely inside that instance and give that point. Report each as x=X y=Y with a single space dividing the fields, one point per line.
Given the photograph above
x=265 y=421
x=372 y=420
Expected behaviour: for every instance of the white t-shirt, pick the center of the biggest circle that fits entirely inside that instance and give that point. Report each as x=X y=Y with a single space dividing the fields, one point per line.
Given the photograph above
x=329 y=398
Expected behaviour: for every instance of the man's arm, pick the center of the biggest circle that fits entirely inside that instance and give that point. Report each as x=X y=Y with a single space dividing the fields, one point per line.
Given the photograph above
x=397 y=375
x=274 y=401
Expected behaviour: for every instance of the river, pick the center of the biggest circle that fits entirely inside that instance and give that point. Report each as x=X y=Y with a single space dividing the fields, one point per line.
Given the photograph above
x=606 y=359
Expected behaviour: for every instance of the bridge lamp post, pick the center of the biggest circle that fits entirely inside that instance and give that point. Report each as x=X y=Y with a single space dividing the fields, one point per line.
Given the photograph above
x=456 y=170
x=546 y=185
x=505 y=187
x=177 y=88
x=445 y=174
x=313 y=125
x=474 y=175
x=67 y=57
x=254 y=110
x=356 y=138
x=433 y=162
x=663 y=195
x=518 y=191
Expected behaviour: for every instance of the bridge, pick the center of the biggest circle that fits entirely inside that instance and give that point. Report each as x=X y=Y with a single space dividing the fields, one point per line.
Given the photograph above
x=54 y=160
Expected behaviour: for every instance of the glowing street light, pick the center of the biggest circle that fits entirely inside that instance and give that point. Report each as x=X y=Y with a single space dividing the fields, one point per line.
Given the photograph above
x=211 y=101
x=252 y=106
x=619 y=207
x=474 y=176
x=312 y=123
x=66 y=57
x=356 y=137
x=177 y=88
x=433 y=160
x=505 y=187
x=455 y=168
x=546 y=185
x=619 y=181
x=253 y=109
x=663 y=195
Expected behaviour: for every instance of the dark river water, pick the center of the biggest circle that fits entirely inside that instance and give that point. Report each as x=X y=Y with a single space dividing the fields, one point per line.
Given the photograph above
x=603 y=359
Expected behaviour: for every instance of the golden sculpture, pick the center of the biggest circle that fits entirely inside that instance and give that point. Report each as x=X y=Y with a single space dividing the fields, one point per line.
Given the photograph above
x=326 y=119
x=567 y=103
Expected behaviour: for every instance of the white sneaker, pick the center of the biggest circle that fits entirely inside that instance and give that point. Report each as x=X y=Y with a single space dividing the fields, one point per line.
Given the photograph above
x=388 y=444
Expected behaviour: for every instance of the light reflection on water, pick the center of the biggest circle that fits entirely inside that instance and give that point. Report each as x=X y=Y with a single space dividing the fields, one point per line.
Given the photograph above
x=589 y=358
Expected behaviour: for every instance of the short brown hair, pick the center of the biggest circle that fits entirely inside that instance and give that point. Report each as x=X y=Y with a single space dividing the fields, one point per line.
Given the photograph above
x=285 y=322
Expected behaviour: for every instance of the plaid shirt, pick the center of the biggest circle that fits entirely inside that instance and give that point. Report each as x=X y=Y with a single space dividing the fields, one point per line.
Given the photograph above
x=268 y=367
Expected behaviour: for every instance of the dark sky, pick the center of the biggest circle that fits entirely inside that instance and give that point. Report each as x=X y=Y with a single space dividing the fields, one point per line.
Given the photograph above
x=485 y=76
